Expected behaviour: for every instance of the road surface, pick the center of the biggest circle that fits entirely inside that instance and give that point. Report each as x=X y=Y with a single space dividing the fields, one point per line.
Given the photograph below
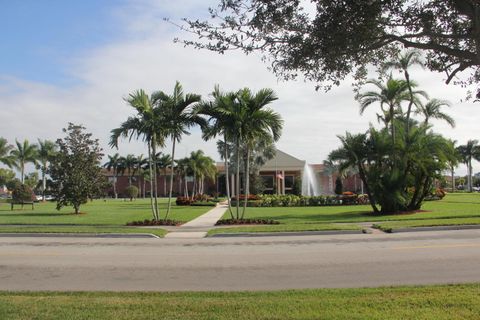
x=263 y=263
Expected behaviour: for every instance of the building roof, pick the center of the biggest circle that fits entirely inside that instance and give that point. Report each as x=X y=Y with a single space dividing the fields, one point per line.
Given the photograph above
x=283 y=161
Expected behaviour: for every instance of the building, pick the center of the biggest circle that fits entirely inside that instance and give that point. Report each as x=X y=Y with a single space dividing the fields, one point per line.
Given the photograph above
x=279 y=175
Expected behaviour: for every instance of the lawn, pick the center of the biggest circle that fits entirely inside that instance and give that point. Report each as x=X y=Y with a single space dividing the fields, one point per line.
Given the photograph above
x=105 y=213
x=428 y=302
x=449 y=210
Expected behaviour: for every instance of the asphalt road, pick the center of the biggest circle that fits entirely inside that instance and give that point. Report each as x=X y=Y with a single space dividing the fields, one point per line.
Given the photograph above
x=266 y=263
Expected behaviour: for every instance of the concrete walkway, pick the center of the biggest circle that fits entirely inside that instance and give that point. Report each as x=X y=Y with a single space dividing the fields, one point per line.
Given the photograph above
x=198 y=228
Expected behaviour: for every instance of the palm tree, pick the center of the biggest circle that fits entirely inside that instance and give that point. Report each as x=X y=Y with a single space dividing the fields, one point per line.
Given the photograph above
x=178 y=117
x=183 y=168
x=469 y=151
x=114 y=163
x=146 y=124
x=453 y=162
x=46 y=150
x=392 y=94
x=23 y=154
x=140 y=163
x=221 y=121
x=129 y=164
x=255 y=123
x=5 y=157
x=403 y=62
x=163 y=161
x=431 y=110
x=202 y=167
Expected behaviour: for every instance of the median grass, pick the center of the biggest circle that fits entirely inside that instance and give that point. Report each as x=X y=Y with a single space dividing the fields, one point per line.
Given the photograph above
x=391 y=226
x=425 y=302
x=285 y=228
x=80 y=230
x=452 y=207
x=98 y=212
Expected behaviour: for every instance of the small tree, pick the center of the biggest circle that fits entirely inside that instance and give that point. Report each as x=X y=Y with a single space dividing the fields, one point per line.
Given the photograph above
x=131 y=192
x=75 y=171
x=22 y=193
x=338 y=186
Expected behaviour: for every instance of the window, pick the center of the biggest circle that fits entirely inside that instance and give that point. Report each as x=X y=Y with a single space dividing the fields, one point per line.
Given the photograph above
x=268 y=182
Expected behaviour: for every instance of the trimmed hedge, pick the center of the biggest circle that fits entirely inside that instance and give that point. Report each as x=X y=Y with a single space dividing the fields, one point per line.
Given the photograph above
x=290 y=200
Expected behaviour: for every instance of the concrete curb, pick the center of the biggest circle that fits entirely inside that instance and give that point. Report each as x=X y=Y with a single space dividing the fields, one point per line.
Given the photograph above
x=78 y=235
x=278 y=234
x=436 y=228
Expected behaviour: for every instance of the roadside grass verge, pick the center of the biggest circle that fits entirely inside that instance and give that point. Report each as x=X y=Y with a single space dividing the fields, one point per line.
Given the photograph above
x=284 y=228
x=391 y=226
x=461 y=205
x=112 y=212
x=423 y=302
x=81 y=229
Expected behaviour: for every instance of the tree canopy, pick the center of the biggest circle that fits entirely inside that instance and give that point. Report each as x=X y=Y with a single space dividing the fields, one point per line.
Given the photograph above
x=327 y=40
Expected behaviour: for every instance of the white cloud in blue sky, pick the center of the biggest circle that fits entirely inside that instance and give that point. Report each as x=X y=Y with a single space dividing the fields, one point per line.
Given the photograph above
x=75 y=61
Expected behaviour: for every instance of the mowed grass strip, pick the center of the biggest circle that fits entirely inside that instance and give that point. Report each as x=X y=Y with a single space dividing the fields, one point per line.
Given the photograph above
x=285 y=228
x=457 y=205
x=426 y=302
x=98 y=212
x=392 y=226
x=81 y=230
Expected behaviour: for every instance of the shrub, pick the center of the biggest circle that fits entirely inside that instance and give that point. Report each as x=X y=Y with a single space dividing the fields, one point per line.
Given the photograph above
x=22 y=193
x=131 y=192
x=183 y=201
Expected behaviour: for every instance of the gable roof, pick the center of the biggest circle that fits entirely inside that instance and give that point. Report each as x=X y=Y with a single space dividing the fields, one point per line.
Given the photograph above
x=283 y=161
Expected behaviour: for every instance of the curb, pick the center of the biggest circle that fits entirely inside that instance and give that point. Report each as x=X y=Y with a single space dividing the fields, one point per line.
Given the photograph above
x=278 y=234
x=79 y=235
x=436 y=228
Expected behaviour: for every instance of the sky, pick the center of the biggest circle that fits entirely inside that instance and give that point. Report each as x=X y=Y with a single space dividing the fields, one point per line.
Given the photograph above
x=76 y=61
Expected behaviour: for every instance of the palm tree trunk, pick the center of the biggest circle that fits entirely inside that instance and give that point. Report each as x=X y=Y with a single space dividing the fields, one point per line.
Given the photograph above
x=115 y=185
x=22 y=172
x=227 y=182
x=237 y=182
x=44 y=182
x=247 y=182
x=470 y=176
x=453 y=179
x=165 y=181
x=171 y=180
x=410 y=104
x=155 y=183
x=151 y=181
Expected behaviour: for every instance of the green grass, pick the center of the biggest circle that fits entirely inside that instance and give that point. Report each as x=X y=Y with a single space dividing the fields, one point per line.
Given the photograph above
x=452 y=206
x=285 y=228
x=390 y=226
x=80 y=229
x=428 y=302
x=109 y=213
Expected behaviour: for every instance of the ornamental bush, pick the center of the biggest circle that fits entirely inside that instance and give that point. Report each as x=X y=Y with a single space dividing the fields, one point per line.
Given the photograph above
x=22 y=193
x=131 y=192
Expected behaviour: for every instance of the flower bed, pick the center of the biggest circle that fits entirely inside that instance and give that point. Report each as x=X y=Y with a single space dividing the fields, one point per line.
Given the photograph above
x=147 y=222
x=245 y=221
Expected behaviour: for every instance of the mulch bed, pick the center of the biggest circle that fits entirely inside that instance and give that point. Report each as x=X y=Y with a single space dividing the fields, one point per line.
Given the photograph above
x=155 y=223
x=245 y=221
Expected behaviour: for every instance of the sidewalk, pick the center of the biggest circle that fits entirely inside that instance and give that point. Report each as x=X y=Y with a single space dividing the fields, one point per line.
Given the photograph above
x=198 y=228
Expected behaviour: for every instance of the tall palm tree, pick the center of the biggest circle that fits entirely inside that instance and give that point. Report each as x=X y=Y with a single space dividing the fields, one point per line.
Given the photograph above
x=114 y=163
x=46 y=150
x=468 y=152
x=202 y=167
x=403 y=62
x=431 y=110
x=5 y=157
x=178 y=118
x=23 y=154
x=221 y=121
x=183 y=169
x=146 y=124
x=255 y=123
x=391 y=95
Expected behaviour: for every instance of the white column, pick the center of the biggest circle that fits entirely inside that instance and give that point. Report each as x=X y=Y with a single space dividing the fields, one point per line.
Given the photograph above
x=283 y=182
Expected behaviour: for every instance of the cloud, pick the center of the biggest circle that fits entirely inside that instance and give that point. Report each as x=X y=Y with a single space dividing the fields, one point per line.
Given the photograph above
x=147 y=58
